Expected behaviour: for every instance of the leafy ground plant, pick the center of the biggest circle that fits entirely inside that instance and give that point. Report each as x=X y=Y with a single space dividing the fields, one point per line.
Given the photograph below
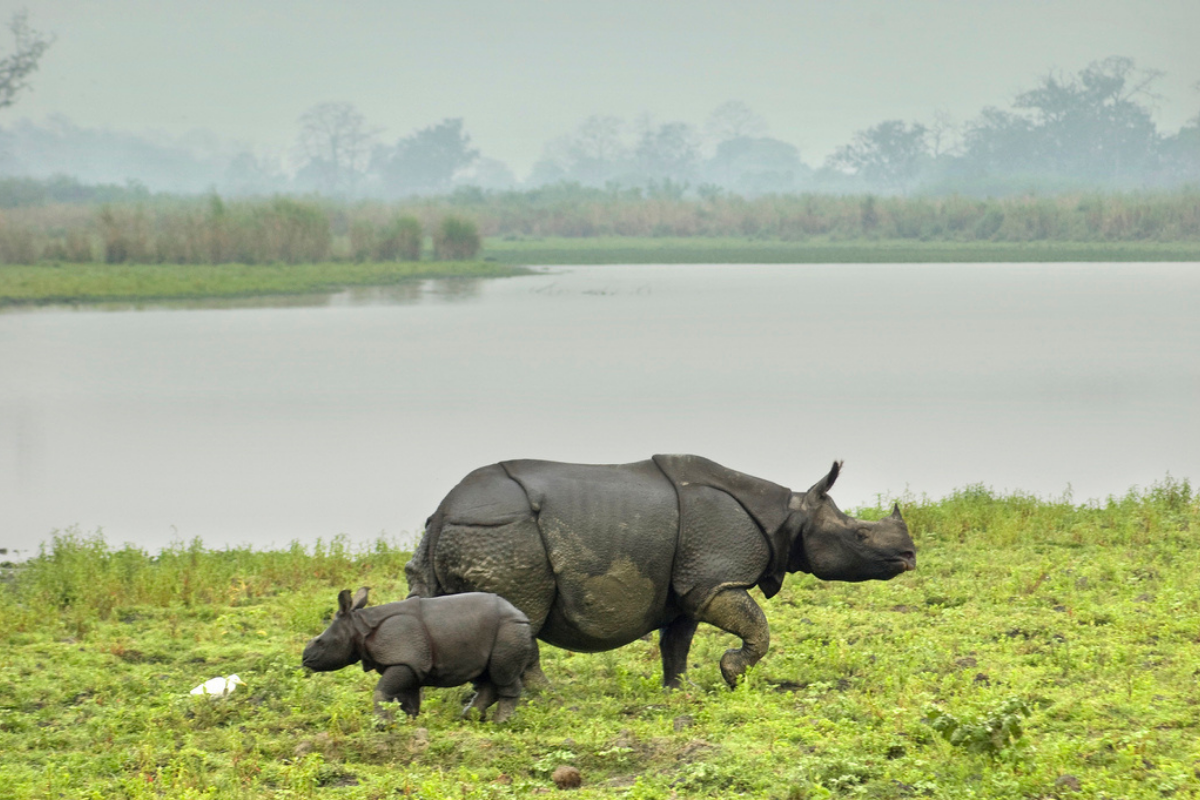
x=997 y=733
x=1079 y=623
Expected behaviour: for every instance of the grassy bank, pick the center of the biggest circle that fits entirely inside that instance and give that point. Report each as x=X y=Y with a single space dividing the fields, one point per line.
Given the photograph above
x=94 y=282
x=1041 y=649
x=80 y=283
x=822 y=250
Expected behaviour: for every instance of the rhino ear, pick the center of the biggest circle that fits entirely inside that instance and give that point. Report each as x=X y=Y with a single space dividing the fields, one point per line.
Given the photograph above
x=822 y=487
x=360 y=598
x=896 y=512
x=344 y=602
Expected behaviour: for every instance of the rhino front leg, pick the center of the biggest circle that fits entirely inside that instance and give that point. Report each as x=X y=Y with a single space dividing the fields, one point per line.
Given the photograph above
x=734 y=611
x=674 y=642
x=398 y=683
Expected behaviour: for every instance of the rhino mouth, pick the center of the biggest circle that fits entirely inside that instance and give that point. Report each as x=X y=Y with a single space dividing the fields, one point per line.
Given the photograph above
x=905 y=561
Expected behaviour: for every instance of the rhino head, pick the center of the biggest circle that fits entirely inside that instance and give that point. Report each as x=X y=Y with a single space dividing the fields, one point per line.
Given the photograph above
x=336 y=647
x=836 y=547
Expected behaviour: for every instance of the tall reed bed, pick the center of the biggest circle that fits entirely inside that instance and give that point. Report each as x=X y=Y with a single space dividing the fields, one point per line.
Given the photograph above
x=288 y=230
x=81 y=579
x=281 y=230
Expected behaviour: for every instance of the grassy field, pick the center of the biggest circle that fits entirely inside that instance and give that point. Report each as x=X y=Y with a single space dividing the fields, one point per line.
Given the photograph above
x=1041 y=649
x=91 y=283
x=821 y=250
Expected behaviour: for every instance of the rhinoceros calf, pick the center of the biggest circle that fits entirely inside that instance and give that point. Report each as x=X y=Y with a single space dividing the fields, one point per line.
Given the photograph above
x=600 y=555
x=443 y=641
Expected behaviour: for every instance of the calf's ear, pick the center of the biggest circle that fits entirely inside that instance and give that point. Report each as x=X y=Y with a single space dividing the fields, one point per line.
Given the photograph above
x=344 y=602
x=360 y=598
x=896 y=512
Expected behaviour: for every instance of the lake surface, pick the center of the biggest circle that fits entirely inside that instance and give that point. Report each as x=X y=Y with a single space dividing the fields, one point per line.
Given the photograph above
x=356 y=413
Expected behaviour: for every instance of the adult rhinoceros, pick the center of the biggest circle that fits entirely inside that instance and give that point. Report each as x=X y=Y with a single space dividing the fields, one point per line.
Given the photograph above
x=600 y=555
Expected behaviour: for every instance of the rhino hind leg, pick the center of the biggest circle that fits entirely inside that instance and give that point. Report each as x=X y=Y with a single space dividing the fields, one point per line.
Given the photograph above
x=674 y=643
x=488 y=694
x=516 y=658
x=398 y=684
x=734 y=611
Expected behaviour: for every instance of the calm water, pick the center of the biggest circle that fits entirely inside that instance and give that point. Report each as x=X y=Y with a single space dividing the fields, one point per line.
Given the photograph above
x=356 y=414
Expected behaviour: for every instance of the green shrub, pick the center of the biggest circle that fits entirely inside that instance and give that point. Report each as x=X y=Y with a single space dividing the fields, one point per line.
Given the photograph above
x=294 y=232
x=364 y=238
x=456 y=239
x=401 y=240
x=989 y=224
x=73 y=248
x=125 y=235
x=17 y=245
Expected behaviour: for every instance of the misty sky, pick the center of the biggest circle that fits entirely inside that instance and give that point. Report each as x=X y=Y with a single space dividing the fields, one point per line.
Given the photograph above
x=521 y=72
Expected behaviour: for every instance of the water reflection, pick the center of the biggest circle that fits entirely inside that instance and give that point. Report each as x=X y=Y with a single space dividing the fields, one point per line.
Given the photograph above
x=443 y=290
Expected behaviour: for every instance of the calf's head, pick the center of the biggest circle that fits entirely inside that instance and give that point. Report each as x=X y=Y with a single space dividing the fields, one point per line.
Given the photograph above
x=836 y=547
x=336 y=647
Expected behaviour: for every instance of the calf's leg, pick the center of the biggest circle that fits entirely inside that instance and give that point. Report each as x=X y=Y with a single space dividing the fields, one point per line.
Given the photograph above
x=507 y=703
x=398 y=684
x=484 y=697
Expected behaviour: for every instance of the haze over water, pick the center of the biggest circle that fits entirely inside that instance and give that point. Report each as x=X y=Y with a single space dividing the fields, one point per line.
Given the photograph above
x=356 y=414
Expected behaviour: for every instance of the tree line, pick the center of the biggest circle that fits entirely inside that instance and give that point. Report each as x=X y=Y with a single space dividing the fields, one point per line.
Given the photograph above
x=1088 y=130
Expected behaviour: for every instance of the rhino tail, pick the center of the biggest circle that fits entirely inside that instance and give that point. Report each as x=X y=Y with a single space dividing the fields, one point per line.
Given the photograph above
x=422 y=581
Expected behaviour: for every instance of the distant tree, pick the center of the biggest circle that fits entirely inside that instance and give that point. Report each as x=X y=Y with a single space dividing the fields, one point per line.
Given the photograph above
x=1181 y=155
x=593 y=154
x=734 y=120
x=943 y=134
x=1181 y=152
x=248 y=173
x=891 y=155
x=487 y=174
x=426 y=161
x=667 y=152
x=57 y=146
x=335 y=143
x=754 y=165
x=15 y=69
x=1001 y=142
x=1091 y=126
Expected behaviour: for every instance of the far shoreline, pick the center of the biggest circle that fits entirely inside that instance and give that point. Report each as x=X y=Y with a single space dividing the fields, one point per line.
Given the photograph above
x=132 y=286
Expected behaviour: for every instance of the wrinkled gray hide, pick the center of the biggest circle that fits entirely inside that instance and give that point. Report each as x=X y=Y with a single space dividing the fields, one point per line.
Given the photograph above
x=599 y=555
x=443 y=641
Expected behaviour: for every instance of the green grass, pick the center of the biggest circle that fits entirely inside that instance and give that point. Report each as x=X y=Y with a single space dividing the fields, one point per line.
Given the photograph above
x=80 y=283
x=821 y=250
x=1057 y=645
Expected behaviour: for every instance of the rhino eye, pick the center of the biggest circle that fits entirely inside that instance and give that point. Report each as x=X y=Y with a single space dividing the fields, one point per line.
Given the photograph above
x=863 y=534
